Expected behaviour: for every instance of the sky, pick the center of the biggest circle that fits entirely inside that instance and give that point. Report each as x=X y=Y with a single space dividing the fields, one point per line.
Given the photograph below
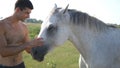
x=107 y=11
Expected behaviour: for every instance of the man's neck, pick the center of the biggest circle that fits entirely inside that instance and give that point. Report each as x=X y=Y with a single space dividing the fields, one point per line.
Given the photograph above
x=13 y=19
x=13 y=22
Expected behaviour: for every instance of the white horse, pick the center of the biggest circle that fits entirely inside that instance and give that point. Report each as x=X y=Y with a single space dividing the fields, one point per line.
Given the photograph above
x=98 y=43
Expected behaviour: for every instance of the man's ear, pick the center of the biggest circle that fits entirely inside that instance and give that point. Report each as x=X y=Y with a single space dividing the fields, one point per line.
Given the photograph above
x=17 y=9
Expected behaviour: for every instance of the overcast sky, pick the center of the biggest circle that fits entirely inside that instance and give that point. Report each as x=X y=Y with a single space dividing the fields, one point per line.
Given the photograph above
x=106 y=10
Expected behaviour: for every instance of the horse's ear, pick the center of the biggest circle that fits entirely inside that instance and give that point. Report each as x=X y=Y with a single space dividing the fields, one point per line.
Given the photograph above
x=55 y=6
x=65 y=9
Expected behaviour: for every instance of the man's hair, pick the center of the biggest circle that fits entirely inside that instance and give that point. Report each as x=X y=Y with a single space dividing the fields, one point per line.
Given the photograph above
x=23 y=4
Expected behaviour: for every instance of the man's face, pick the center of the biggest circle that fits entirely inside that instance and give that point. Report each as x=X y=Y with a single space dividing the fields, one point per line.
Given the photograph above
x=23 y=14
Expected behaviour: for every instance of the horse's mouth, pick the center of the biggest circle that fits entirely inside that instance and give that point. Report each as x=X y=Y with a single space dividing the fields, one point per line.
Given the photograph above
x=38 y=53
x=40 y=59
x=37 y=56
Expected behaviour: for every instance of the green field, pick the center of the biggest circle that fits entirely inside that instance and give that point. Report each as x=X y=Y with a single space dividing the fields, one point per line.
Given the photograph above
x=65 y=56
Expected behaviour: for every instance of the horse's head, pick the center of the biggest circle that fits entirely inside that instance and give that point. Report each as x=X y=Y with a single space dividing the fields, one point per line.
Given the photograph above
x=54 y=32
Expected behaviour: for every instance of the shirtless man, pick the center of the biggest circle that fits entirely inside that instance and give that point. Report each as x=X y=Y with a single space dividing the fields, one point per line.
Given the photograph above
x=14 y=37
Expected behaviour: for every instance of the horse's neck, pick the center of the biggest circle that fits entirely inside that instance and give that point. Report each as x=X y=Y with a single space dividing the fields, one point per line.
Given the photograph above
x=86 y=40
x=81 y=38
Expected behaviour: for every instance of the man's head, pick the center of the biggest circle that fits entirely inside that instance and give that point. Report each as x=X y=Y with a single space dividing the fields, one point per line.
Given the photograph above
x=23 y=9
x=23 y=4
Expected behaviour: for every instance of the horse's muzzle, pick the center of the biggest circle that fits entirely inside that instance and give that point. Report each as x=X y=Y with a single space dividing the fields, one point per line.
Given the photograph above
x=39 y=52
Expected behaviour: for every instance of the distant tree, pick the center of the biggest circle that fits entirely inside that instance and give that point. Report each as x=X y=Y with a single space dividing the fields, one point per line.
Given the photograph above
x=31 y=20
x=40 y=21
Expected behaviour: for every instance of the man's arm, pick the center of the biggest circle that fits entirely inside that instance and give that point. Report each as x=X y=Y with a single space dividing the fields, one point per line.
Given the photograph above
x=13 y=49
x=27 y=38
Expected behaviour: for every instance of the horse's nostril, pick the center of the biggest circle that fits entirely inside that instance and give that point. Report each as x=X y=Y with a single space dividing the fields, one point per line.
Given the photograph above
x=35 y=52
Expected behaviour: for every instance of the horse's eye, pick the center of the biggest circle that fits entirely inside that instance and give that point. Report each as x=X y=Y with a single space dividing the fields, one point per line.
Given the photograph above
x=51 y=27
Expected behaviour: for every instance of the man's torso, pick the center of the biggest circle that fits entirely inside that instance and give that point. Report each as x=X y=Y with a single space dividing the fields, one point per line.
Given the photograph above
x=14 y=34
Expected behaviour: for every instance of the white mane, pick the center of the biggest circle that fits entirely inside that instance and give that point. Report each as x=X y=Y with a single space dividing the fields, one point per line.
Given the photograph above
x=83 y=19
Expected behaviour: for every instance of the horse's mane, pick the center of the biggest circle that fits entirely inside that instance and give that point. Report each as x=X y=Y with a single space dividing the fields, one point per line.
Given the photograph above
x=85 y=20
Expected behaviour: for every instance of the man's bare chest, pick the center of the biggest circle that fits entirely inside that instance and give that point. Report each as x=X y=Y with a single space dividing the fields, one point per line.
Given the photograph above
x=15 y=35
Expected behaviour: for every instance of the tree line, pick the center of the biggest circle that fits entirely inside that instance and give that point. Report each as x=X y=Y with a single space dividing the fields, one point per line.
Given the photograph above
x=33 y=20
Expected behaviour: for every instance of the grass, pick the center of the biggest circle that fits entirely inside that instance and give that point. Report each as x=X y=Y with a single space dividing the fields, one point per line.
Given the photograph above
x=34 y=29
x=65 y=56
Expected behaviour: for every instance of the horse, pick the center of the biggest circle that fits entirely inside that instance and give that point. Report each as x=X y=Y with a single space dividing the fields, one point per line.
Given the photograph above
x=97 y=42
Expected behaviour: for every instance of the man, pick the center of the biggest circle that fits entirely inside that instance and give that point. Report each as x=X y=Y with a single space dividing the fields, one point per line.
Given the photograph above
x=14 y=36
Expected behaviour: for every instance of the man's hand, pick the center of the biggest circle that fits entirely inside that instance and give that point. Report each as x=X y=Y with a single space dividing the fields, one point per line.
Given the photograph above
x=34 y=43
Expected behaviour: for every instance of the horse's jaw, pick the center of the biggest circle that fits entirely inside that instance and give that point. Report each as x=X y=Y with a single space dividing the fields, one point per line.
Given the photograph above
x=38 y=53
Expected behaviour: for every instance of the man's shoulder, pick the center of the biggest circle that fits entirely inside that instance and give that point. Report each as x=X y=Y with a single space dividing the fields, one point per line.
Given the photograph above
x=2 y=24
x=3 y=21
x=23 y=24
